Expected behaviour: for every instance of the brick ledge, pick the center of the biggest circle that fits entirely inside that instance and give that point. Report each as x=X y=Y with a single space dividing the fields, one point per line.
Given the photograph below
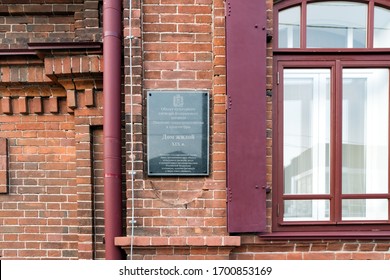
x=191 y=241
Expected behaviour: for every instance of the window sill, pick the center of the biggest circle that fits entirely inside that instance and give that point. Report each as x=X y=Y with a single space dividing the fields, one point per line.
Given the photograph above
x=178 y=247
x=310 y=235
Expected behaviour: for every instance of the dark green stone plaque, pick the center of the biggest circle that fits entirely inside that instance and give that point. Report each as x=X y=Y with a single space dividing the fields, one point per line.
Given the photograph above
x=178 y=133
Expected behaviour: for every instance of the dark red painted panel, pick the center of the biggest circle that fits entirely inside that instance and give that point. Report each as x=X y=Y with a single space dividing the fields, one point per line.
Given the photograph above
x=246 y=115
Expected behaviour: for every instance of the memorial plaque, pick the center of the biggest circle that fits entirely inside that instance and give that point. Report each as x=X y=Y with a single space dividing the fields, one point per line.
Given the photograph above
x=178 y=133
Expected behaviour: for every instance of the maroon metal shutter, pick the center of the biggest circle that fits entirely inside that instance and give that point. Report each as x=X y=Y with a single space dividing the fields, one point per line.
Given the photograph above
x=246 y=115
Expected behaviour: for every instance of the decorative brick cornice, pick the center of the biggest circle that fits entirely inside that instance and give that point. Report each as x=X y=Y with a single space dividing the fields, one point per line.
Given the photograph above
x=75 y=72
x=12 y=61
x=49 y=70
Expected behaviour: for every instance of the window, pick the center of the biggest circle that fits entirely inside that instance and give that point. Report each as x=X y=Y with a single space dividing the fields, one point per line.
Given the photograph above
x=334 y=24
x=331 y=121
x=381 y=27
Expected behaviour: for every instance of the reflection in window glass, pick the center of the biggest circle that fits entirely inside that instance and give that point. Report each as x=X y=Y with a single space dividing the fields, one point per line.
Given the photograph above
x=289 y=28
x=381 y=28
x=306 y=131
x=306 y=210
x=338 y=24
x=365 y=131
x=365 y=209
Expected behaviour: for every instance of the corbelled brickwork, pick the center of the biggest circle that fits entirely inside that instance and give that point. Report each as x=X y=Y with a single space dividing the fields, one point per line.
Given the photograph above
x=50 y=129
x=24 y=22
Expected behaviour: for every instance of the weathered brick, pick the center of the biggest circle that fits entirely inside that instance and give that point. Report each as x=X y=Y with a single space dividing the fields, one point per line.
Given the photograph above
x=6 y=105
x=36 y=105
x=71 y=98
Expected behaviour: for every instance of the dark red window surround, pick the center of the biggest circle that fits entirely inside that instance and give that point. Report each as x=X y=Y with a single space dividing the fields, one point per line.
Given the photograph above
x=336 y=60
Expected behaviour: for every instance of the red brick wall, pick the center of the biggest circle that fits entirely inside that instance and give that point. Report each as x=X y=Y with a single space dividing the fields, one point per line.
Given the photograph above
x=98 y=196
x=254 y=248
x=48 y=210
x=3 y=165
x=39 y=214
x=182 y=46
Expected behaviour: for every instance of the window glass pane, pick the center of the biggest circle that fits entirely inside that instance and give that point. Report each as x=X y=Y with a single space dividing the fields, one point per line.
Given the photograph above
x=289 y=27
x=306 y=131
x=306 y=210
x=338 y=24
x=365 y=209
x=365 y=131
x=381 y=28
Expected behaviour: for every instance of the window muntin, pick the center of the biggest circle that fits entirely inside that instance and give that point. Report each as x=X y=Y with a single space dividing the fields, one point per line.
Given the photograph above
x=381 y=28
x=334 y=24
x=338 y=24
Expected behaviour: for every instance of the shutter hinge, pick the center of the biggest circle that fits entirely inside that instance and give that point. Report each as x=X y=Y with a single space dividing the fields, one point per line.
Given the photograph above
x=230 y=195
x=228 y=9
x=277 y=77
x=228 y=102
